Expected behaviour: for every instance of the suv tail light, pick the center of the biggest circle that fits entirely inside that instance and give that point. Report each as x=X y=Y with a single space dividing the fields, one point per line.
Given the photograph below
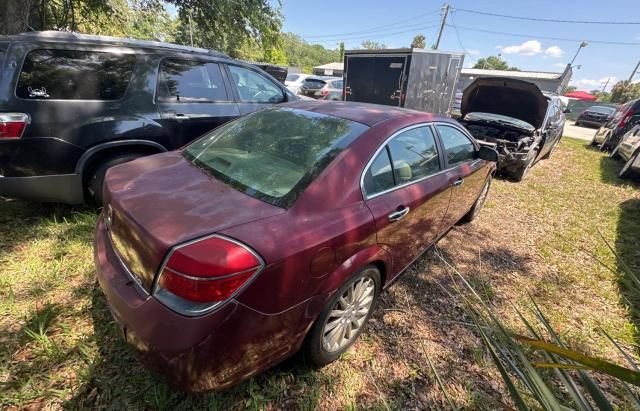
x=198 y=276
x=12 y=125
x=625 y=118
x=325 y=92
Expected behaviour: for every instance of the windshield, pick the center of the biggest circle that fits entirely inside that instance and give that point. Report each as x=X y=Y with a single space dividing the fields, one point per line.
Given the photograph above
x=601 y=109
x=273 y=154
x=292 y=77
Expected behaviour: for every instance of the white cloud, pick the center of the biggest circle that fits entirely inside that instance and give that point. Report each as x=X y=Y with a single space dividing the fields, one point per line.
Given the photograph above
x=561 y=65
x=593 y=84
x=528 y=48
x=473 y=52
x=554 y=51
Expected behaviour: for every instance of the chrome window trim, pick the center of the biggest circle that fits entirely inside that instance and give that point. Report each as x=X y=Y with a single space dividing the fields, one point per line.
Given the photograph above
x=433 y=125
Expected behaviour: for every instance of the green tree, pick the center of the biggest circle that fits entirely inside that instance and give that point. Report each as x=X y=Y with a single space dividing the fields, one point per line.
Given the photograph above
x=570 y=89
x=419 y=42
x=372 y=45
x=227 y=25
x=341 y=51
x=624 y=91
x=299 y=53
x=493 y=63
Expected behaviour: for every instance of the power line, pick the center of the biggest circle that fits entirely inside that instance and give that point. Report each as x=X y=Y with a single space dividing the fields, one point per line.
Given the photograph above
x=506 y=16
x=414 y=27
x=379 y=36
x=376 y=28
x=504 y=33
x=453 y=24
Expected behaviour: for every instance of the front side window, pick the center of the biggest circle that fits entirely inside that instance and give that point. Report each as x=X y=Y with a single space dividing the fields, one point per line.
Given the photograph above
x=414 y=155
x=190 y=81
x=253 y=87
x=273 y=154
x=457 y=146
x=75 y=75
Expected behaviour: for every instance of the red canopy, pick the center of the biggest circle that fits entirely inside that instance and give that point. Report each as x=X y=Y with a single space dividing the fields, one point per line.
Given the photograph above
x=581 y=95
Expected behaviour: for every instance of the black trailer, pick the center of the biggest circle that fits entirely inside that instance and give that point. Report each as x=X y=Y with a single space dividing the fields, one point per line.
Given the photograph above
x=419 y=79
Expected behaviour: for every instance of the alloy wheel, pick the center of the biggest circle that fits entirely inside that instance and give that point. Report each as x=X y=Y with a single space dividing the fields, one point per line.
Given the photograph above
x=348 y=315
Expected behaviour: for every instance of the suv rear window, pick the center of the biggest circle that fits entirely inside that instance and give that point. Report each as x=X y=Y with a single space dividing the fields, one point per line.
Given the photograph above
x=75 y=75
x=314 y=83
x=273 y=154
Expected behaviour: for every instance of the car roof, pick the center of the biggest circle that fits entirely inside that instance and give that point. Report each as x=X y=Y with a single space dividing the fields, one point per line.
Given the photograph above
x=364 y=113
x=52 y=36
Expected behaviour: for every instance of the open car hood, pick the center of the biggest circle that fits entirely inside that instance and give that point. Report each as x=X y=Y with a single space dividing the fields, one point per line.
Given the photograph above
x=506 y=97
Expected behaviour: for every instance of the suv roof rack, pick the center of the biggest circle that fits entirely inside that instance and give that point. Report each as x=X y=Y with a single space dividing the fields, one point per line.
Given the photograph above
x=67 y=35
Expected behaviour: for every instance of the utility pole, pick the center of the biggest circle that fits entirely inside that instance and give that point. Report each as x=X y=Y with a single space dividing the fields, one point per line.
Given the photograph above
x=633 y=73
x=606 y=84
x=445 y=10
x=190 y=29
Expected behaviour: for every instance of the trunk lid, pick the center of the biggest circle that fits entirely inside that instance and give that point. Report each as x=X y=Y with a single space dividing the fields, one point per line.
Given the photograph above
x=506 y=97
x=156 y=202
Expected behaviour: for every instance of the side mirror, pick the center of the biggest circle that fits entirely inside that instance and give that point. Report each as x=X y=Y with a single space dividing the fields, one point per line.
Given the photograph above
x=566 y=110
x=488 y=154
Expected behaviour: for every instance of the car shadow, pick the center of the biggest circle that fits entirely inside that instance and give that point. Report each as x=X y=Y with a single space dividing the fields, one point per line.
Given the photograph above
x=609 y=169
x=627 y=247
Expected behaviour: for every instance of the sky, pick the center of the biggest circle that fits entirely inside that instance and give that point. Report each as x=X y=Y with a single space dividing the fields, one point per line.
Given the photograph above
x=395 y=23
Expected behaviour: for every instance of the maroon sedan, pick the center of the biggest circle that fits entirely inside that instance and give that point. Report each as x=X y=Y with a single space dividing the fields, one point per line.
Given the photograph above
x=276 y=232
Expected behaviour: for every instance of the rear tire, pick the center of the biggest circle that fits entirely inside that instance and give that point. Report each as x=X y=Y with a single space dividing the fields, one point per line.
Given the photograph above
x=626 y=171
x=477 y=206
x=614 y=154
x=95 y=183
x=319 y=348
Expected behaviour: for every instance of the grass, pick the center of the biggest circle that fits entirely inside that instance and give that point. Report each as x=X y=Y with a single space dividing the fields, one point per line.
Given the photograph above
x=60 y=349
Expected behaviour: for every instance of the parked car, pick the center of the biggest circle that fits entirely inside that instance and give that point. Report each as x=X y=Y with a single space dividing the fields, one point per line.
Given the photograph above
x=294 y=81
x=322 y=88
x=277 y=232
x=625 y=117
x=595 y=116
x=514 y=117
x=73 y=105
x=629 y=151
x=457 y=104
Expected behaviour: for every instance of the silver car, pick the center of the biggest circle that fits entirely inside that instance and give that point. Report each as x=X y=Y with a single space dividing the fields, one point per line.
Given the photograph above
x=629 y=151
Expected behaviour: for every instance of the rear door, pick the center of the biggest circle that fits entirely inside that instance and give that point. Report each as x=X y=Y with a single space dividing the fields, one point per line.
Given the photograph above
x=553 y=129
x=407 y=193
x=375 y=79
x=253 y=90
x=464 y=173
x=192 y=98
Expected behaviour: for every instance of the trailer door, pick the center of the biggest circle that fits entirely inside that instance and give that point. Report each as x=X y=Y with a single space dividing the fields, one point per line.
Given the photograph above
x=375 y=79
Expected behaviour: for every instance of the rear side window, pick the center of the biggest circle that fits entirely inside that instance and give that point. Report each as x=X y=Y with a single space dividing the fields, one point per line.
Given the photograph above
x=379 y=176
x=189 y=81
x=255 y=88
x=457 y=146
x=75 y=75
x=414 y=155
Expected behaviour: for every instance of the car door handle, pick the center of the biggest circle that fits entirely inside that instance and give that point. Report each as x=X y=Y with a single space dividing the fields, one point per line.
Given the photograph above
x=398 y=214
x=458 y=182
x=180 y=116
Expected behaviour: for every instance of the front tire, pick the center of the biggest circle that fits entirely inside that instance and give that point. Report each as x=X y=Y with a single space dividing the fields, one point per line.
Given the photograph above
x=477 y=206
x=522 y=172
x=626 y=171
x=614 y=153
x=343 y=318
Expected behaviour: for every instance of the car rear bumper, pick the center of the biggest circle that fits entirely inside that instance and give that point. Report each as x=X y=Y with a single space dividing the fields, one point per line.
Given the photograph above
x=57 y=188
x=590 y=122
x=195 y=354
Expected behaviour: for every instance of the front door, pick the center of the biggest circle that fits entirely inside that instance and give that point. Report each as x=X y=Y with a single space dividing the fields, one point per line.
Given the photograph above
x=192 y=99
x=375 y=79
x=407 y=194
x=465 y=174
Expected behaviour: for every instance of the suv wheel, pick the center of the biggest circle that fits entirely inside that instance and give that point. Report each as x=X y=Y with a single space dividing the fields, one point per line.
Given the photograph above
x=95 y=182
x=626 y=171
x=343 y=318
x=614 y=153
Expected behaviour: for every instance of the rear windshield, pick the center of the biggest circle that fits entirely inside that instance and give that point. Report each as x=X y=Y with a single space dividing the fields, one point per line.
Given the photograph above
x=601 y=109
x=273 y=154
x=75 y=75
x=293 y=77
x=314 y=83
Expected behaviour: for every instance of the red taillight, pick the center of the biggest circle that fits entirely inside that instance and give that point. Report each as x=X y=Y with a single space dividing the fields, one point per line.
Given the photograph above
x=625 y=118
x=199 y=275
x=325 y=92
x=12 y=125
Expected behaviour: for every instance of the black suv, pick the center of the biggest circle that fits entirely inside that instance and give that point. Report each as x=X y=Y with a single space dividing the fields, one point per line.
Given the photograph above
x=73 y=105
